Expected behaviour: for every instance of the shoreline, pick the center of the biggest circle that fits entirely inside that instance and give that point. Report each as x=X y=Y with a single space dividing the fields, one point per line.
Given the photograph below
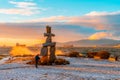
x=79 y=68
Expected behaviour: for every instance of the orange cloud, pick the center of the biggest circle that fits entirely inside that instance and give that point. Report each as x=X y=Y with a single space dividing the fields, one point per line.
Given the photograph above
x=100 y=35
x=12 y=34
x=12 y=41
x=87 y=21
x=95 y=22
x=19 y=31
x=63 y=35
x=23 y=33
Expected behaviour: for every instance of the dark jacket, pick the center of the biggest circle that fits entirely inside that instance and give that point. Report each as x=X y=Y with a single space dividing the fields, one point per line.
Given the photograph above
x=37 y=58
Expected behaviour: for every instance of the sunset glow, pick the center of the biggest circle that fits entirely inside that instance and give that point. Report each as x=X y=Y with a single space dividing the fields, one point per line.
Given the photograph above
x=99 y=35
x=21 y=51
x=59 y=39
x=24 y=21
x=12 y=42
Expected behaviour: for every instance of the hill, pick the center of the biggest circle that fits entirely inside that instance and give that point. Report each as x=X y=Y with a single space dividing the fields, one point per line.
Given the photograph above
x=89 y=43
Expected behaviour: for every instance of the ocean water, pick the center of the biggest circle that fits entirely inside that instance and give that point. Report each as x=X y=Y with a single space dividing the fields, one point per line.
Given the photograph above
x=5 y=50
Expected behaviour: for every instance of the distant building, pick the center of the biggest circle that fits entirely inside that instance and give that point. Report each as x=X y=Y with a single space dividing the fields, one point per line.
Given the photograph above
x=22 y=45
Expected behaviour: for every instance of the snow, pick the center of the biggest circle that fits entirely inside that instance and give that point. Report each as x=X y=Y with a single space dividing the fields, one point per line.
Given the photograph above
x=3 y=60
x=78 y=69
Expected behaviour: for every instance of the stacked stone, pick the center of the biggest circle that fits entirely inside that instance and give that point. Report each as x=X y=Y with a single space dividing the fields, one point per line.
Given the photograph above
x=48 y=46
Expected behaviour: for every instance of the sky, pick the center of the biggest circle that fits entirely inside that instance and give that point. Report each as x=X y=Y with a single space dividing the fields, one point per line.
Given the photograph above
x=24 y=21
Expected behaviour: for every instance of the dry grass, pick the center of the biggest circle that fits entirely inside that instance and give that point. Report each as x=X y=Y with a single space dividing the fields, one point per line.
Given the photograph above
x=3 y=55
x=112 y=59
x=91 y=54
x=61 y=61
x=97 y=58
x=73 y=54
x=45 y=61
x=103 y=54
x=112 y=50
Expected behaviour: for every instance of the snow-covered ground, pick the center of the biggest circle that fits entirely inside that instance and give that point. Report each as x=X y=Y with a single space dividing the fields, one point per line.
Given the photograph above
x=78 y=69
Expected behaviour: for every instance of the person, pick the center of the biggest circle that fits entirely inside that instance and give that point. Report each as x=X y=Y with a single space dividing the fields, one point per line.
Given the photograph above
x=37 y=58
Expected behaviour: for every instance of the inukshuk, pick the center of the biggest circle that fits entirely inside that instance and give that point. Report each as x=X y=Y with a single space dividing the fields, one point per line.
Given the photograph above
x=48 y=47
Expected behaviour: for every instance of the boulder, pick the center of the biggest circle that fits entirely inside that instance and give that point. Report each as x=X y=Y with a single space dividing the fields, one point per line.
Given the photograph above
x=103 y=54
x=91 y=54
x=61 y=61
x=73 y=54
x=48 y=29
x=44 y=51
x=118 y=58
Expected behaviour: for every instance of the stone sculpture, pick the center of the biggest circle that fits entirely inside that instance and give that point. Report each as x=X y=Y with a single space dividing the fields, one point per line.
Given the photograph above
x=48 y=47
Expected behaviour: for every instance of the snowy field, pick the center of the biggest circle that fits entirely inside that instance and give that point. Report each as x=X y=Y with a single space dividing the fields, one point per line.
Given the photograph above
x=78 y=69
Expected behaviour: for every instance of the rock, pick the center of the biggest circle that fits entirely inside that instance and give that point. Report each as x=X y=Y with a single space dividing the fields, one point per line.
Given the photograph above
x=49 y=44
x=48 y=29
x=112 y=58
x=52 y=54
x=48 y=39
x=91 y=54
x=44 y=60
x=61 y=61
x=103 y=54
x=49 y=34
x=44 y=51
x=118 y=58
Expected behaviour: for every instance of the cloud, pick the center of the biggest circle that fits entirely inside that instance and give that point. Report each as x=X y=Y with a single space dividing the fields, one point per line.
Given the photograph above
x=22 y=8
x=100 y=21
x=17 y=11
x=19 y=31
x=23 y=4
x=95 y=13
x=106 y=26
x=49 y=19
x=35 y=31
x=95 y=22
x=109 y=21
x=100 y=35
x=65 y=35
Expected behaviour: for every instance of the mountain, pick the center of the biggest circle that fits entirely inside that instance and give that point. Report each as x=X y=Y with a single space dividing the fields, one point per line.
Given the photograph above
x=89 y=43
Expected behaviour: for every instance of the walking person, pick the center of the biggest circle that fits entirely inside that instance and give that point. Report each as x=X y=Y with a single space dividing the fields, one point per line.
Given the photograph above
x=37 y=58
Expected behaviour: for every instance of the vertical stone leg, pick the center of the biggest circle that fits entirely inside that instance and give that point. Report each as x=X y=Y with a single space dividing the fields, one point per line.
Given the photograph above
x=44 y=54
x=52 y=54
x=44 y=51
